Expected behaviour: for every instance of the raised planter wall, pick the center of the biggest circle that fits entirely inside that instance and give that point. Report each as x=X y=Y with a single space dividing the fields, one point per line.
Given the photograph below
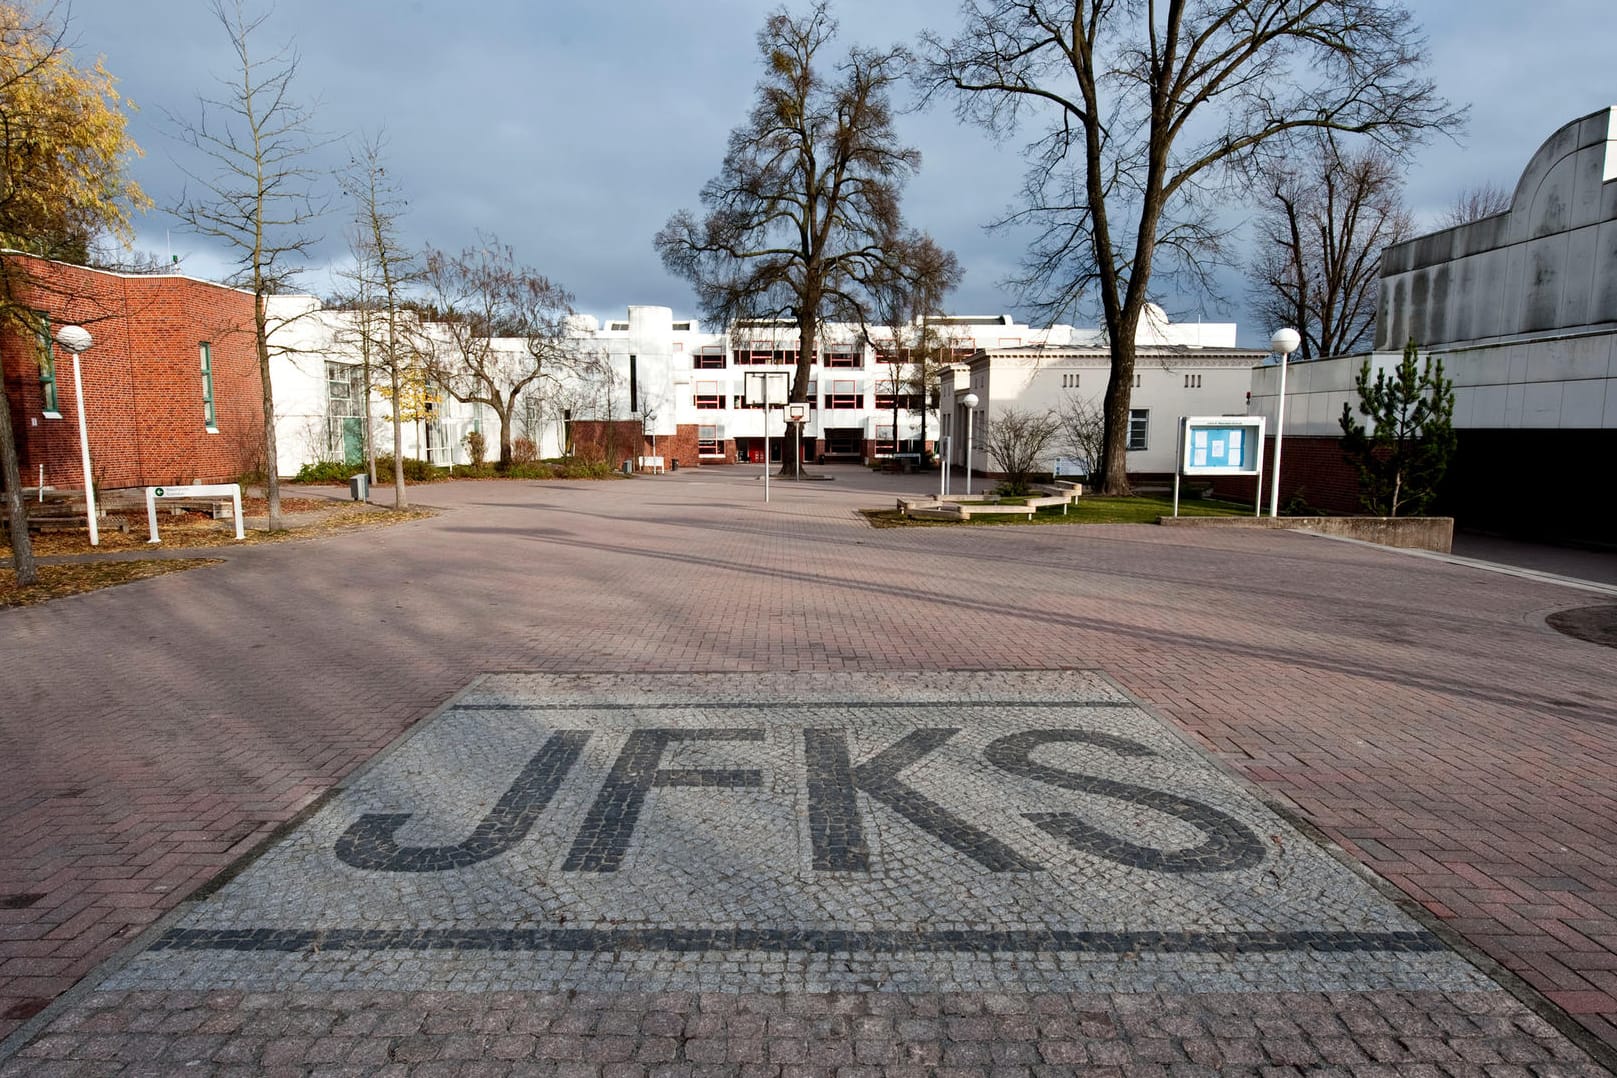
x=1411 y=533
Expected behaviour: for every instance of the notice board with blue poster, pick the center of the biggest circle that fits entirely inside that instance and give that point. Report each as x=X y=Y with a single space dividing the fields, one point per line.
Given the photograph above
x=1219 y=445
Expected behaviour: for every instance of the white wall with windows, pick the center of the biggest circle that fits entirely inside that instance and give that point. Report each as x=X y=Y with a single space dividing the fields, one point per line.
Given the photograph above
x=1180 y=370
x=669 y=373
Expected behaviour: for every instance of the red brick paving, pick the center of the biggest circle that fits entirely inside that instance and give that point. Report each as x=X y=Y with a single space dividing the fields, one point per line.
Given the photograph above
x=1420 y=714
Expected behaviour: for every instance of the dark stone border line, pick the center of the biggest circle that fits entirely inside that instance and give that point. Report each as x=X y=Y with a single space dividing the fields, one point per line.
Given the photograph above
x=793 y=940
x=805 y=704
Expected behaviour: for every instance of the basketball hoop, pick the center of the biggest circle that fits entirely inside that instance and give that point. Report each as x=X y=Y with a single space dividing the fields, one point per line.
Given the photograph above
x=797 y=412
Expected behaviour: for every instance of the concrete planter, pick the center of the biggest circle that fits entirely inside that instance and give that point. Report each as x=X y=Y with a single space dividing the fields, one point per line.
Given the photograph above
x=1410 y=533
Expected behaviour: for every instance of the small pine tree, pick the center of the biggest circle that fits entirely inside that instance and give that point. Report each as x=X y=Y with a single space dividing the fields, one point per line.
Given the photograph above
x=1402 y=457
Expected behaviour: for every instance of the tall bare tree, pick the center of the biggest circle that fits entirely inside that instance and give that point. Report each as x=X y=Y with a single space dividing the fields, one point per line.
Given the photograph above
x=255 y=187
x=1475 y=203
x=383 y=269
x=482 y=294
x=906 y=292
x=806 y=204
x=1327 y=213
x=1147 y=109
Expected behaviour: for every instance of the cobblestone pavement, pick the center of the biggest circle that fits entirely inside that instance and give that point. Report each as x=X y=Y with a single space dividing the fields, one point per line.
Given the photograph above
x=1419 y=714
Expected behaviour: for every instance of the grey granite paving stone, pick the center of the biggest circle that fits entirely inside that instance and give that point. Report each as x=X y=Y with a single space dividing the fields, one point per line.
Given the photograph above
x=982 y=831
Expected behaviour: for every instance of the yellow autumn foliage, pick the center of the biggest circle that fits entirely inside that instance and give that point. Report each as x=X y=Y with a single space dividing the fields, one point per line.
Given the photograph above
x=64 y=150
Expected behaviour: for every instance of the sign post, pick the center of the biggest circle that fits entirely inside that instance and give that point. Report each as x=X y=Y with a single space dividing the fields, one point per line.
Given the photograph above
x=1220 y=445
x=767 y=388
x=206 y=490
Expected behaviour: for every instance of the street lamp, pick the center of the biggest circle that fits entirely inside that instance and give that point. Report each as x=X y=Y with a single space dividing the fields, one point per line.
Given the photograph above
x=1285 y=341
x=77 y=339
x=970 y=401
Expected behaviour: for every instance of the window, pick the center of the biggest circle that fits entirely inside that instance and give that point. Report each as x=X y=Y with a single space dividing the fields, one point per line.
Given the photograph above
x=708 y=361
x=708 y=395
x=1137 y=378
x=885 y=446
x=1069 y=381
x=843 y=395
x=844 y=358
x=707 y=442
x=885 y=402
x=345 y=395
x=1193 y=381
x=1139 y=424
x=208 y=418
x=47 y=363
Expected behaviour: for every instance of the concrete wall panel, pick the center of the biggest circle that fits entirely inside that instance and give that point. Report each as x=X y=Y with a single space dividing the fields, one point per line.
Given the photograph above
x=1577 y=283
x=1603 y=300
x=1545 y=265
x=1583 y=403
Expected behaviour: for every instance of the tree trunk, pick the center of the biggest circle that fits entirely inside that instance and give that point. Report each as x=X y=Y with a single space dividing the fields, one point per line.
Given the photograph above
x=504 y=416
x=400 y=501
x=793 y=466
x=272 y=479
x=22 y=547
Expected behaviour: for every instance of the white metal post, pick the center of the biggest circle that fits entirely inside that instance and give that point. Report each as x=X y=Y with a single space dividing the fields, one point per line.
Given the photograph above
x=1280 y=430
x=84 y=453
x=968 y=452
x=1285 y=341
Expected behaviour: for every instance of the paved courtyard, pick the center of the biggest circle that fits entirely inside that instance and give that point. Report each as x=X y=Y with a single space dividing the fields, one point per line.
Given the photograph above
x=652 y=777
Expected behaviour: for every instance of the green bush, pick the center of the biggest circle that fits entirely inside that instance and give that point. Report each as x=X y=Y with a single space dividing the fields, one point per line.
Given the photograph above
x=327 y=471
x=476 y=447
x=415 y=471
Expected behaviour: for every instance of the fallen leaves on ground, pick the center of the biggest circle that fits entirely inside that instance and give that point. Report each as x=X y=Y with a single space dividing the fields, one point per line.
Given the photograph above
x=310 y=518
x=56 y=581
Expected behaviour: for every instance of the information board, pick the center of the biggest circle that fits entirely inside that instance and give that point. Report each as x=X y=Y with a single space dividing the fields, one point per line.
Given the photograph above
x=1221 y=445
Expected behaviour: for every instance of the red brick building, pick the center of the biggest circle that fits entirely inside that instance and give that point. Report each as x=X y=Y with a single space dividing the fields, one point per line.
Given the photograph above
x=171 y=385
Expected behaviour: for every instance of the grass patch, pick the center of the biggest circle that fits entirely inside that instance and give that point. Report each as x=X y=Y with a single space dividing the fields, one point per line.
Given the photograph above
x=57 y=581
x=1091 y=509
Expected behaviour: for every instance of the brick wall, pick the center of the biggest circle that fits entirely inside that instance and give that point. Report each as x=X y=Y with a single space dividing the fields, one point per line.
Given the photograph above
x=591 y=441
x=1312 y=469
x=142 y=379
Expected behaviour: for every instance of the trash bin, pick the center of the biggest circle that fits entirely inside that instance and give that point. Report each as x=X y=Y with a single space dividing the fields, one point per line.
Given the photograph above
x=673 y=465
x=628 y=467
x=359 y=487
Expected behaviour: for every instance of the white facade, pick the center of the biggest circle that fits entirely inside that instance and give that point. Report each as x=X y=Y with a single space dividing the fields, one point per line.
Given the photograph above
x=316 y=364
x=676 y=379
x=1186 y=369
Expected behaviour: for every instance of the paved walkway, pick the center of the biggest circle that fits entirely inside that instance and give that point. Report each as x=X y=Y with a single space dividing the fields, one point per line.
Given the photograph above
x=1419 y=714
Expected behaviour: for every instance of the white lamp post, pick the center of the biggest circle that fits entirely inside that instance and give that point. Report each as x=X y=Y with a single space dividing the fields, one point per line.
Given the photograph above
x=77 y=339
x=970 y=401
x=1285 y=341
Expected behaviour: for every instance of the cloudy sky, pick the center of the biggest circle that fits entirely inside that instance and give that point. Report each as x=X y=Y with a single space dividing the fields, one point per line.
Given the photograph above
x=571 y=129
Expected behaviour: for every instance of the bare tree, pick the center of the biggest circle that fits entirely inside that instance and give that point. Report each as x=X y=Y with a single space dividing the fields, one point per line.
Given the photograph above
x=256 y=193
x=383 y=269
x=1475 y=203
x=1082 y=431
x=482 y=294
x=1150 y=109
x=1327 y=214
x=806 y=204
x=1017 y=441
x=906 y=292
